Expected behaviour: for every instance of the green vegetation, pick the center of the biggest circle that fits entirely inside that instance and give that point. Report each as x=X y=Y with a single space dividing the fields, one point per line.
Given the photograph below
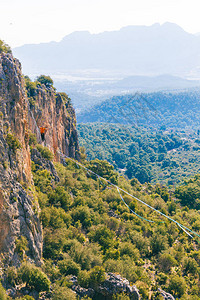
x=4 y=47
x=34 y=277
x=45 y=152
x=189 y=192
x=146 y=154
x=177 y=110
x=13 y=142
x=88 y=231
x=32 y=139
x=30 y=86
x=46 y=80
x=21 y=245
x=66 y=99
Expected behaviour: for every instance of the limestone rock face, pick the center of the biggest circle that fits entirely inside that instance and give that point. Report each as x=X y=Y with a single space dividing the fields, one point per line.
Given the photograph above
x=113 y=285
x=52 y=112
x=165 y=295
x=19 y=209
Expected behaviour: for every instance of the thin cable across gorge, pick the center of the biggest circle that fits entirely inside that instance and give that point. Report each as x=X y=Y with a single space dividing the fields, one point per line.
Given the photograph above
x=184 y=228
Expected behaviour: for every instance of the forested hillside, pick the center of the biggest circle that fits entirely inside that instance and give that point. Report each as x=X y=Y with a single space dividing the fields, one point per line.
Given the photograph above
x=173 y=110
x=89 y=232
x=148 y=154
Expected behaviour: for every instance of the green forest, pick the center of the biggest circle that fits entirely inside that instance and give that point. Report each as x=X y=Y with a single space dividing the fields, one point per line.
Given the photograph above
x=150 y=155
x=179 y=110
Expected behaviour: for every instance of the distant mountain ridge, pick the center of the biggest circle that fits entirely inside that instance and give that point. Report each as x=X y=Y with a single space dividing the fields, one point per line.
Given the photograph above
x=140 y=50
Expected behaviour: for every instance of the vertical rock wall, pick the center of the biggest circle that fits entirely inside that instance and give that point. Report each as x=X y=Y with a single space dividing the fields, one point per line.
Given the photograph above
x=19 y=210
x=52 y=112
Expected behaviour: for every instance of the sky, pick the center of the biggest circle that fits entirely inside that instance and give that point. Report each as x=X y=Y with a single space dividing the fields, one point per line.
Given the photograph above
x=36 y=21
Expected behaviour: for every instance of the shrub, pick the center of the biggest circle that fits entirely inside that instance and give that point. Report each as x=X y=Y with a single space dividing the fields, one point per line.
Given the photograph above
x=59 y=197
x=166 y=262
x=53 y=243
x=42 y=180
x=27 y=297
x=46 y=80
x=129 y=250
x=39 y=281
x=83 y=278
x=34 y=277
x=177 y=285
x=190 y=266
x=54 y=217
x=61 y=293
x=32 y=139
x=82 y=214
x=12 y=275
x=104 y=169
x=45 y=152
x=30 y=87
x=157 y=243
x=69 y=267
x=143 y=289
x=4 y=47
x=65 y=98
x=86 y=256
x=162 y=278
x=97 y=276
x=51 y=270
x=103 y=235
x=13 y=142
x=21 y=245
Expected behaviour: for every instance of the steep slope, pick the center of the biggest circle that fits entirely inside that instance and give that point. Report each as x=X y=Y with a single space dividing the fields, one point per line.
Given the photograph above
x=17 y=215
x=49 y=110
x=19 y=209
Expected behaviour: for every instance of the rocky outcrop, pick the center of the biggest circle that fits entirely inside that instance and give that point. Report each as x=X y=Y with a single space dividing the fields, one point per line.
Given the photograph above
x=114 y=284
x=49 y=110
x=165 y=295
x=18 y=209
x=18 y=206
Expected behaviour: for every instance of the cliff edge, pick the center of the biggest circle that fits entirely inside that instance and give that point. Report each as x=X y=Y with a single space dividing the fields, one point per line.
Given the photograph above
x=19 y=210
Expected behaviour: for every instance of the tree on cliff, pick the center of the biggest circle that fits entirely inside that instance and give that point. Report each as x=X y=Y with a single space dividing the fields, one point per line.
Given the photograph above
x=46 y=80
x=4 y=47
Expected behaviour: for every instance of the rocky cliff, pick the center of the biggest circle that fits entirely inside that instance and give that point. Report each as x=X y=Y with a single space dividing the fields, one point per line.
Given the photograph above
x=18 y=207
x=51 y=111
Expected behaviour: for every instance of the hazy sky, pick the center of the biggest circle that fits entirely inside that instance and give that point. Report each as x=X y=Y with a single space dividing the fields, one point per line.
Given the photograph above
x=35 y=21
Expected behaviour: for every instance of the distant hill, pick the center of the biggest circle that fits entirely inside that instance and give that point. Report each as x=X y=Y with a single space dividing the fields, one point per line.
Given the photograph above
x=173 y=110
x=141 y=50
